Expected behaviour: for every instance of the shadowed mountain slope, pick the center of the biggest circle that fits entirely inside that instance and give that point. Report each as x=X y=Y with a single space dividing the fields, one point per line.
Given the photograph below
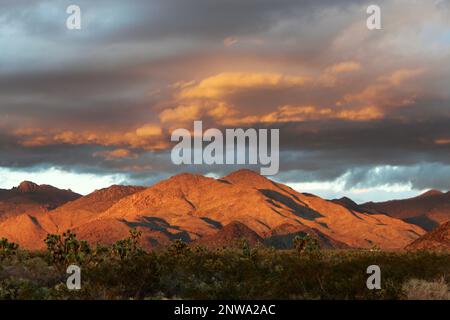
x=428 y=210
x=231 y=235
x=31 y=198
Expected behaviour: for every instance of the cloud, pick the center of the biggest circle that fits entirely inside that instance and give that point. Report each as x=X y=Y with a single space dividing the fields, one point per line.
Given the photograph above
x=298 y=114
x=330 y=75
x=387 y=90
x=182 y=113
x=223 y=99
x=116 y=154
x=104 y=100
x=230 y=41
x=442 y=141
x=363 y=114
x=149 y=131
x=225 y=84
x=147 y=137
x=400 y=76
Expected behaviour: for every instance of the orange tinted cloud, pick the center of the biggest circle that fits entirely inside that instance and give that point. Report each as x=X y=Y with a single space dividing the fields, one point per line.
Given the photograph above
x=442 y=141
x=149 y=130
x=228 y=83
x=213 y=98
x=116 y=154
x=149 y=137
x=343 y=67
x=387 y=90
x=307 y=113
x=363 y=114
x=400 y=76
x=330 y=75
x=210 y=97
x=182 y=113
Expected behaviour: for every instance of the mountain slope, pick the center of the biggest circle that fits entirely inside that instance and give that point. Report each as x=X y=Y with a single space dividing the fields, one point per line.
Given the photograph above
x=25 y=230
x=428 y=210
x=193 y=207
x=282 y=237
x=30 y=230
x=231 y=235
x=82 y=210
x=438 y=239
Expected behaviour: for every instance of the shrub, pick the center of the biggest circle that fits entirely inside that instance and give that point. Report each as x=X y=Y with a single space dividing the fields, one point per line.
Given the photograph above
x=66 y=249
x=178 y=247
x=7 y=249
x=129 y=247
x=125 y=271
x=306 y=245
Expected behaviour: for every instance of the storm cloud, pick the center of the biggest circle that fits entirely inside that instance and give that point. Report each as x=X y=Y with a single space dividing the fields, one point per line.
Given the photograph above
x=366 y=109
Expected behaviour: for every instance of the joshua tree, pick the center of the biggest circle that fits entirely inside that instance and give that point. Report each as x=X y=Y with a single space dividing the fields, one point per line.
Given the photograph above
x=7 y=249
x=67 y=248
x=128 y=247
x=306 y=245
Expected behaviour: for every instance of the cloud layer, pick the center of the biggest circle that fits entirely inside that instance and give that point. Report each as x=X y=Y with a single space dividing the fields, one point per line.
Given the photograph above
x=104 y=100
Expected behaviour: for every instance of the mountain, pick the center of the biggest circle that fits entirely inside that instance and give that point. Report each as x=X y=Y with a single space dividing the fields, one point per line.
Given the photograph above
x=30 y=231
x=83 y=209
x=230 y=235
x=438 y=239
x=348 y=203
x=428 y=210
x=193 y=207
x=33 y=199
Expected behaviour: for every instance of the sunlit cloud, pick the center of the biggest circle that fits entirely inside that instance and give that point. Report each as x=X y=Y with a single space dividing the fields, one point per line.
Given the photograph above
x=226 y=84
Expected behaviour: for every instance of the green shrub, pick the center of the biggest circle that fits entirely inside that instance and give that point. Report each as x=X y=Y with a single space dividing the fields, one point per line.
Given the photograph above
x=7 y=249
x=179 y=271
x=66 y=249
x=129 y=247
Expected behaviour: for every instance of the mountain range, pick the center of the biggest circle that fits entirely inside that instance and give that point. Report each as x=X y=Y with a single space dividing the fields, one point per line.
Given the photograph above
x=428 y=210
x=207 y=211
x=31 y=198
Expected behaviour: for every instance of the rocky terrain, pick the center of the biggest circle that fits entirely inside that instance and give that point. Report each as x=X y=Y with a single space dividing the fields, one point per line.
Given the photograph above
x=438 y=239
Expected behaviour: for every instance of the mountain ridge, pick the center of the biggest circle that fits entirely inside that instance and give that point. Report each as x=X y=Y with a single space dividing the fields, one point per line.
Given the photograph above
x=192 y=207
x=428 y=210
x=31 y=198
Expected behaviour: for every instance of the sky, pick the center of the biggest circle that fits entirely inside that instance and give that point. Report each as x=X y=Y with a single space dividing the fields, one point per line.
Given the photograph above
x=362 y=113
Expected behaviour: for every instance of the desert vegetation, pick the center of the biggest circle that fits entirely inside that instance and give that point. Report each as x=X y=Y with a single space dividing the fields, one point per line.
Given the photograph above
x=240 y=271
